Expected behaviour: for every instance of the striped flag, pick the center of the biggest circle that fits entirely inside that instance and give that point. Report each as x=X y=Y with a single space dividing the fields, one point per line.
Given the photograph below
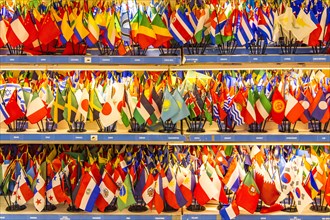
x=181 y=28
x=143 y=110
x=3 y=32
x=17 y=34
x=3 y=113
x=94 y=31
x=124 y=23
x=236 y=108
x=87 y=193
x=243 y=33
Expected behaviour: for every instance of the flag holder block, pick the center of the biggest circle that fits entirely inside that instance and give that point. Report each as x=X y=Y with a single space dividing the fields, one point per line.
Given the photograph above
x=196 y=125
x=136 y=50
x=289 y=46
x=109 y=129
x=136 y=128
x=18 y=125
x=49 y=207
x=73 y=209
x=18 y=50
x=258 y=128
x=320 y=207
x=139 y=206
x=321 y=48
x=169 y=51
x=285 y=127
x=168 y=208
x=316 y=126
x=292 y=206
x=77 y=126
x=195 y=207
x=227 y=48
x=258 y=47
x=50 y=126
x=169 y=127
x=198 y=48
x=111 y=207
x=15 y=208
x=224 y=128
x=106 y=50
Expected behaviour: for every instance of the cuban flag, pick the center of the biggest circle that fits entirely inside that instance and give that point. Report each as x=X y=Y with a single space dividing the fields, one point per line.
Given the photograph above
x=181 y=28
x=265 y=25
x=243 y=33
x=87 y=193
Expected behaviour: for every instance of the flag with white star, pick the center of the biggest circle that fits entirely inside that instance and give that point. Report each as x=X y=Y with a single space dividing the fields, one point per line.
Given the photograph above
x=39 y=198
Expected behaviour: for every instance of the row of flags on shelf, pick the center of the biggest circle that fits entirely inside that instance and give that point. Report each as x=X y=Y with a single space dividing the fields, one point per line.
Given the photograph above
x=236 y=97
x=88 y=176
x=119 y=26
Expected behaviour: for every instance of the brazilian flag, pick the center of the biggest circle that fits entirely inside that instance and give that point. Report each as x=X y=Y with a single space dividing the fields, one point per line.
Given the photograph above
x=126 y=197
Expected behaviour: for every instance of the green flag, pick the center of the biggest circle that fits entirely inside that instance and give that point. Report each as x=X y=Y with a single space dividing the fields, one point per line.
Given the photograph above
x=58 y=107
x=126 y=197
x=70 y=108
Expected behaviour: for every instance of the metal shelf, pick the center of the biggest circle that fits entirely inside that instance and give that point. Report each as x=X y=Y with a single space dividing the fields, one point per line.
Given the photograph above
x=153 y=137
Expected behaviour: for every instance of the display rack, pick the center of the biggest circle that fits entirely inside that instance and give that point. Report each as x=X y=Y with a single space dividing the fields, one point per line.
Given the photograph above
x=180 y=62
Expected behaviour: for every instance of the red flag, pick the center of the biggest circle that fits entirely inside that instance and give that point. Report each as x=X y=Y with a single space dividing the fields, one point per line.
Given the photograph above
x=17 y=33
x=13 y=110
x=148 y=191
x=247 y=196
x=33 y=32
x=49 y=30
x=36 y=110
x=159 y=194
x=108 y=190
x=327 y=191
x=278 y=107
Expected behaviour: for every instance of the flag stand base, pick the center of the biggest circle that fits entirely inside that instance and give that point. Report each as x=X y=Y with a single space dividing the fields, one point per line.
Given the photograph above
x=253 y=131
x=290 y=209
x=168 y=208
x=168 y=127
x=320 y=209
x=76 y=131
x=73 y=209
x=137 y=208
x=15 y=208
x=219 y=206
x=49 y=208
x=315 y=131
x=168 y=131
x=109 y=129
x=196 y=208
x=136 y=128
x=290 y=131
x=109 y=208
x=196 y=125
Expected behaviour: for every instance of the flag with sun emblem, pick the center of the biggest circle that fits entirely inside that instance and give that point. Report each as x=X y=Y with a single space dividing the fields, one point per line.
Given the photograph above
x=126 y=197
x=183 y=109
x=170 y=106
